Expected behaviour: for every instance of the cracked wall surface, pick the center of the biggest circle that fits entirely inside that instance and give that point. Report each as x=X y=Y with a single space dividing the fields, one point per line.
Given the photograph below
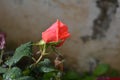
x=24 y=20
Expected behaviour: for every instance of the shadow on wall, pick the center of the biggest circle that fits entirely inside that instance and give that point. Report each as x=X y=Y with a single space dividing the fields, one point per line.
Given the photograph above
x=108 y=9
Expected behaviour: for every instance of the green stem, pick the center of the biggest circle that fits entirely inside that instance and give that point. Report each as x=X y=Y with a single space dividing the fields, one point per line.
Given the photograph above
x=55 y=50
x=39 y=59
x=43 y=52
x=33 y=59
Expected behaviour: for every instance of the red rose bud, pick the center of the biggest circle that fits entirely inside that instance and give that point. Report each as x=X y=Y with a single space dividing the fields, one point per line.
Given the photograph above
x=58 y=32
x=2 y=41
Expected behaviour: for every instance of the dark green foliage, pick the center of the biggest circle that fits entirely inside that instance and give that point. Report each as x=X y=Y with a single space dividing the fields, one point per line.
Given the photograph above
x=25 y=78
x=101 y=69
x=3 y=70
x=23 y=50
x=49 y=75
x=71 y=75
x=45 y=62
x=44 y=69
x=12 y=74
x=89 y=78
x=44 y=66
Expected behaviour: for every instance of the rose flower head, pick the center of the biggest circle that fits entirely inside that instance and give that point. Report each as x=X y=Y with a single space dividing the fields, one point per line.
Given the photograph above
x=58 y=32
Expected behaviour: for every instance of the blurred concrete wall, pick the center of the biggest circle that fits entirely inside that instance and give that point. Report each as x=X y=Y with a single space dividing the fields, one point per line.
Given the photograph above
x=24 y=20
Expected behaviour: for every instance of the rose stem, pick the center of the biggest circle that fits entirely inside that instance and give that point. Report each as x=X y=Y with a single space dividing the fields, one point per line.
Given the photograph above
x=44 y=49
x=55 y=50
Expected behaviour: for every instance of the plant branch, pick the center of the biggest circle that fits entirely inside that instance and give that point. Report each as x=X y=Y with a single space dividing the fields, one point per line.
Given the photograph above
x=55 y=50
x=39 y=59
x=43 y=52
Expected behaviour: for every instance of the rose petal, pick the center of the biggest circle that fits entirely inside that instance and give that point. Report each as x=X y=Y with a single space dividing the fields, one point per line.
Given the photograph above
x=57 y=32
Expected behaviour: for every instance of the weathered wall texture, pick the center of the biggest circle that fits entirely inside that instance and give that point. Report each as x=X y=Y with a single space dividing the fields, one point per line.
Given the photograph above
x=24 y=20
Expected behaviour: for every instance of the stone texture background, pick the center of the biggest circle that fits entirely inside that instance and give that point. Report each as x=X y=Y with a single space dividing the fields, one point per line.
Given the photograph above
x=24 y=20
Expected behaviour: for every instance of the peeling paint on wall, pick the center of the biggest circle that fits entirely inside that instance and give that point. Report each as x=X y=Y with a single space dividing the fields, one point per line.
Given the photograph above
x=108 y=9
x=101 y=24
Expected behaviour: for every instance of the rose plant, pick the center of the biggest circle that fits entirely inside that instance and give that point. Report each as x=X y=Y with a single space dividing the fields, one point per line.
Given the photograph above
x=53 y=37
x=23 y=65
